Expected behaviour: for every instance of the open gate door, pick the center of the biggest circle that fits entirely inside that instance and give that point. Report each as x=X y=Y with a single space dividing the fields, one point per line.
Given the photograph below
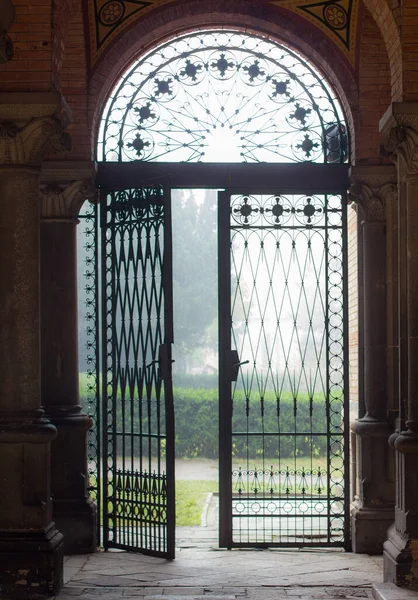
x=137 y=333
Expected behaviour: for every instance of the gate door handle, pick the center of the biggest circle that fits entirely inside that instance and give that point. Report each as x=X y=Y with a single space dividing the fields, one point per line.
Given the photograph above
x=165 y=361
x=236 y=364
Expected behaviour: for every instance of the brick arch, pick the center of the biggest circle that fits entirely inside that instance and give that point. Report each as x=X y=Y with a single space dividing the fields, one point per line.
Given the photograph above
x=386 y=22
x=63 y=14
x=160 y=26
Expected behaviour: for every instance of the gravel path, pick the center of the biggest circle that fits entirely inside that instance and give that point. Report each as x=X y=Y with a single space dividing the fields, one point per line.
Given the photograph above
x=196 y=468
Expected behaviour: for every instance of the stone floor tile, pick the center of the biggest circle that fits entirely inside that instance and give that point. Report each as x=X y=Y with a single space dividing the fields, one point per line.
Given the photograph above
x=77 y=560
x=69 y=593
x=183 y=591
x=224 y=575
x=173 y=595
x=104 y=581
x=231 y=591
x=70 y=573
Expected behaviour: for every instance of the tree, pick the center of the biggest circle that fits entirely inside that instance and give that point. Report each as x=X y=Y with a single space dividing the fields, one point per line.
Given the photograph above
x=195 y=288
x=195 y=284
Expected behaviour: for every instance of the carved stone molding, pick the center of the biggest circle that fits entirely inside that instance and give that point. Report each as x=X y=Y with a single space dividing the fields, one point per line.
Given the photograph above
x=399 y=127
x=26 y=145
x=372 y=188
x=65 y=201
x=21 y=107
x=28 y=122
x=66 y=171
x=406 y=442
x=65 y=186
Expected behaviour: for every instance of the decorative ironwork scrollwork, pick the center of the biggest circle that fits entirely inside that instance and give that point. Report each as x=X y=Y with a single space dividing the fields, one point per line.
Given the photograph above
x=89 y=353
x=278 y=211
x=138 y=203
x=222 y=96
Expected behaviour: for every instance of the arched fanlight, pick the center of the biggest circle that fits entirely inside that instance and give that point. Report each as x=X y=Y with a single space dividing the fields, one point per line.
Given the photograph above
x=223 y=96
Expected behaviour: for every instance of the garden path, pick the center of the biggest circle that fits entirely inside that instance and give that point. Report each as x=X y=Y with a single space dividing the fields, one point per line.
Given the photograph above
x=196 y=468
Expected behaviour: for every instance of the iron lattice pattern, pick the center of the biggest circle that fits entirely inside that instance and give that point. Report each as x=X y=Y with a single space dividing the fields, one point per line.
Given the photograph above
x=135 y=490
x=288 y=321
x=89 y=361
x=223 y=96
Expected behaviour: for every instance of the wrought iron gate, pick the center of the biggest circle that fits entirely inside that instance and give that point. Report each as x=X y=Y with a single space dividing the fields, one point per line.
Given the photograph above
x=138 y=419
x=283 y=391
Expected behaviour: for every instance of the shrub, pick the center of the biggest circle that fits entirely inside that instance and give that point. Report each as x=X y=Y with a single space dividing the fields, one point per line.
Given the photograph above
x=196 y=423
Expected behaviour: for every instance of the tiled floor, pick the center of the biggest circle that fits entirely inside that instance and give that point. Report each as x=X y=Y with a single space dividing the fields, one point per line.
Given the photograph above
x=204 y=572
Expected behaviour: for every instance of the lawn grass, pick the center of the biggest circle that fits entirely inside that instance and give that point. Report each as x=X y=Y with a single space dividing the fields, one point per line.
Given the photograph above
x=190 y=500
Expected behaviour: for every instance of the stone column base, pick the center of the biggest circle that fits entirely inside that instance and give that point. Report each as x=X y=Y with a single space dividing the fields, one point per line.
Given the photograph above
x=77 y=521
x=369 y=528
x=31 y=548
x=400 y=557
x=31 y=564
x=73 y=511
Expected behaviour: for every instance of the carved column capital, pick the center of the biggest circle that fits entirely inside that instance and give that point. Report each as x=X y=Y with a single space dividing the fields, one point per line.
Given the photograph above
x=25 y=145
x=399 y=127
x=64 y=188
x=28 y=123
x=372 y=188
x=65 y=201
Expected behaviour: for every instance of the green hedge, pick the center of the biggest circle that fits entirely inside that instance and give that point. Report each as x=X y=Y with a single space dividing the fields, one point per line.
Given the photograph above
x=196 y=422
x=197 y=425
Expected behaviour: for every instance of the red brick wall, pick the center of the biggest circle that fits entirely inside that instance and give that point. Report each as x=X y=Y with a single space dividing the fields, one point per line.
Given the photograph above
x=388 y=25
x=407 y=18
x=31 y=33
x=73 y=81
x=41 y=30
x=374 y=90
x=62 y=15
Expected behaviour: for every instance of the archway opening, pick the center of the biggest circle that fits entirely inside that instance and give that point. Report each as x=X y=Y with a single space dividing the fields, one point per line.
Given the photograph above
x=263 y=126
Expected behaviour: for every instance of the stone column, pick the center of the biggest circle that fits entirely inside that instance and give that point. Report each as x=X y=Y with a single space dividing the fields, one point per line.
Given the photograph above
x=400 y=128
x=68 y=186
x=31 y=559
x=372 y=510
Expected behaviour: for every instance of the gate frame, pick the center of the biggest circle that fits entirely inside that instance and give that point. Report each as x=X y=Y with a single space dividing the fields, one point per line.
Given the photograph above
x=163 y=358
x=312 y=178
x=226 y=363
